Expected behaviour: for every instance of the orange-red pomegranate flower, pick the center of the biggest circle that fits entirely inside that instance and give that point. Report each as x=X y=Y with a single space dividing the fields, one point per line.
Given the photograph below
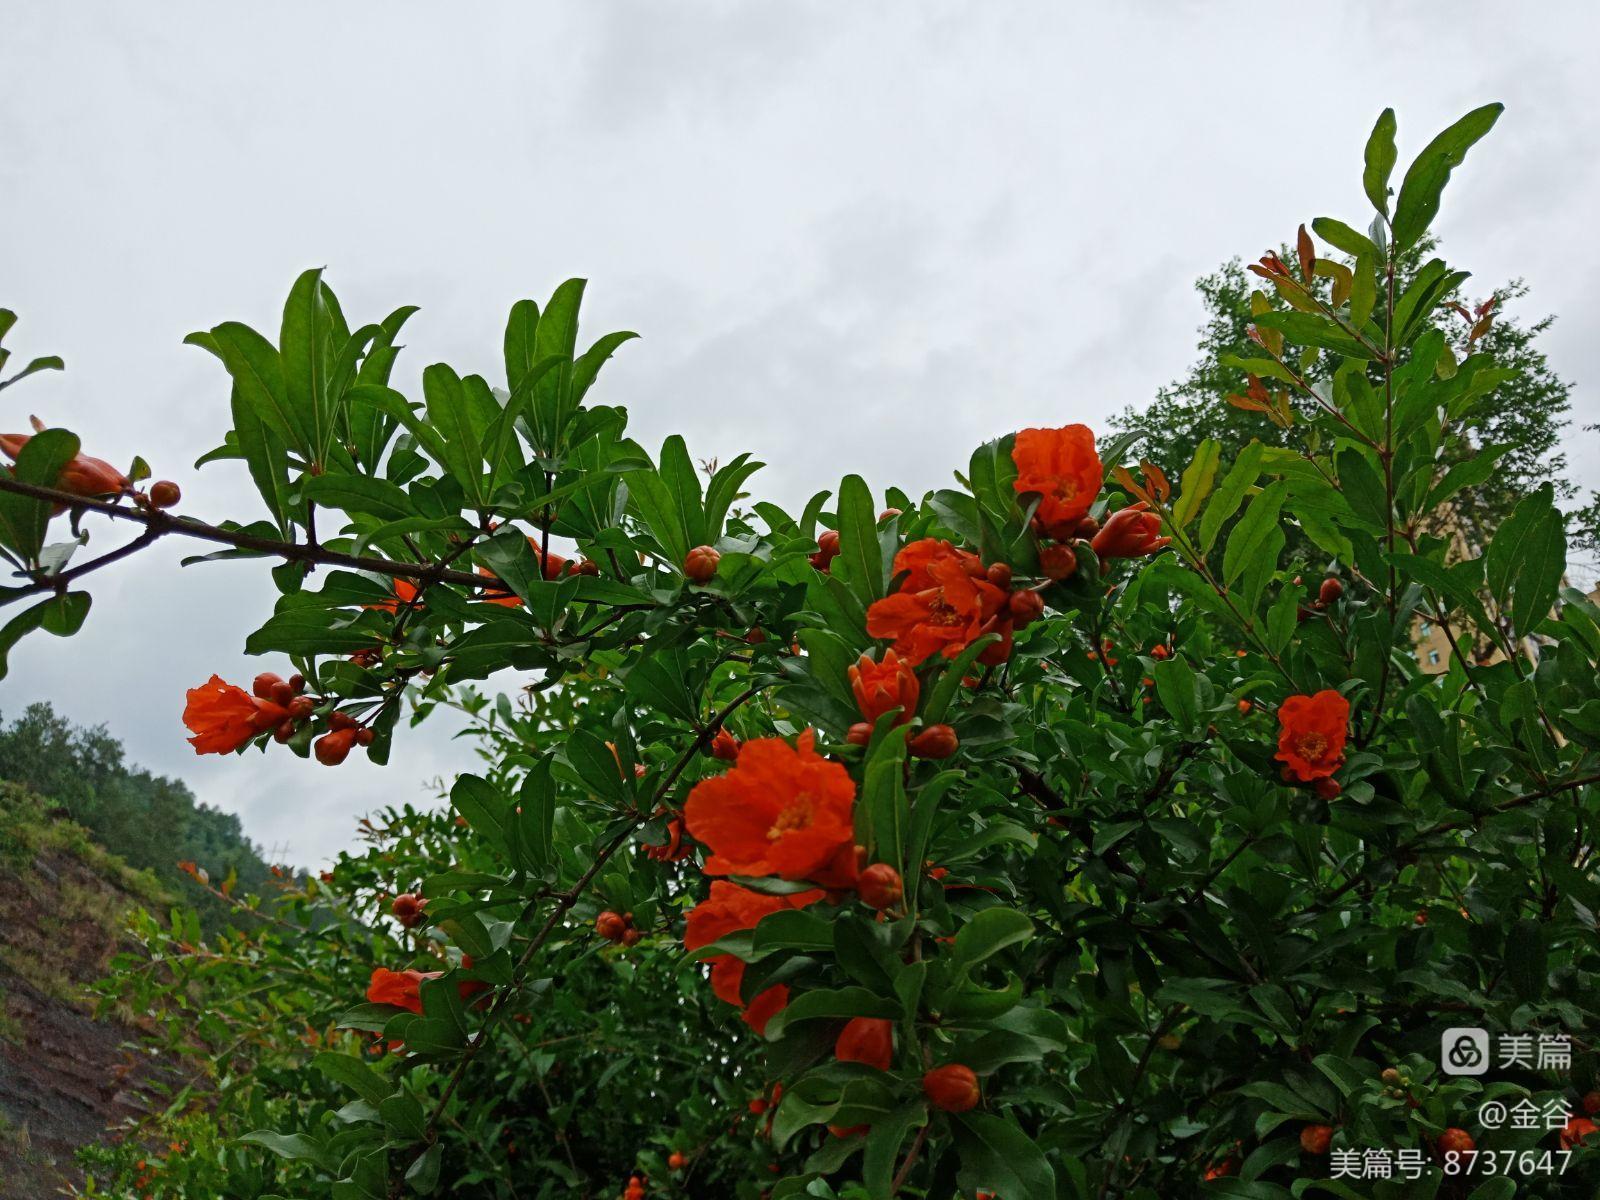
x=881 y=686
x=943 y=603
x=1063 y=467
x=223 y=717
x=404 y=592
x=1311 y=734
x=403 y=989
x=783 y=810
x=729 y=909
x=766 y=1006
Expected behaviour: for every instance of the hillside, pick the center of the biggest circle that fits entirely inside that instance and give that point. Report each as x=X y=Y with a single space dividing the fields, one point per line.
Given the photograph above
x=149 y=821
x=65 y=1077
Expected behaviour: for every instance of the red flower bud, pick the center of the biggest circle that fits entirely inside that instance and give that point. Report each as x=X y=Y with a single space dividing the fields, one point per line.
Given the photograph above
x=888 y=513
x=724 y=746
x=1130 y=533
x=757 y=1106
x=701 y=564
x=827 y=550
x=676 y=1160
x=282 y=694
x=1159 y=650
x=1591 y=1103
x=868 y=1040
x=860 y=734
x=333 y=748
x=1330 y=590
x=283 y=732
x=1314 y=1139
x=934 y=741
x=610 y=926
x=365 y=736
x=1000 y=575
x=341 y=720
x=952 y=1087
x=1458 y=1140
x=1244 y=707
x=1328 y=787
x=263 y=686
x=880 y=886
x=164 y=493
x=1026 y=607
x=301 y=707
x=631 y=936
x=407 y=908
x=1086 y=528
x=1057 y=561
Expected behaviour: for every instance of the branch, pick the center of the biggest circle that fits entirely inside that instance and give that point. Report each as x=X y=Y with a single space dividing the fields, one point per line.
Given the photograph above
x=158 y=524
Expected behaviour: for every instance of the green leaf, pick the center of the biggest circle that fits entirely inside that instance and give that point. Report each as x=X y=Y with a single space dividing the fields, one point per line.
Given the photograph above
x=836 y=1002
x=296 y=1147
x=653 y=501
x=596 y=765
x=304 y=344
x=988 y=933
x=1178 y=691
x=483 y=806
x=257 y=372
x=996 y=1154
x=1241 y=477
x=1380 y=160
x=423 y=1174
x=359 y=494
x=1198 y=477
x=1424 y=182
x=450 y=413
x=1250 y=541
x=403 y=1115
x=1526 y=559
x=883 y=1147
x=354 y=1074
x=24 y=520
x=860 y=551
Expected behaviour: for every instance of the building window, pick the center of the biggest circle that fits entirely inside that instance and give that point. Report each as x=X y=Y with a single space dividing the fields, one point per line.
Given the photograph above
x=1424 y=628
x=1433 y=658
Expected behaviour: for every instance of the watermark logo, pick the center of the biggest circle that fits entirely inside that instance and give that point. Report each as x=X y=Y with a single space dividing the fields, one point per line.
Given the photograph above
x=1464 y=1051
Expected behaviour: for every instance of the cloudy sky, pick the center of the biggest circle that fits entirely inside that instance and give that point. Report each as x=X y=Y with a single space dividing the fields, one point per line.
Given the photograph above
x=855 y=238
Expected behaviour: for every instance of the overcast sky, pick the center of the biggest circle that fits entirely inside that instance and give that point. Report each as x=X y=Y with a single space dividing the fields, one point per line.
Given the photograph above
x=854 y=238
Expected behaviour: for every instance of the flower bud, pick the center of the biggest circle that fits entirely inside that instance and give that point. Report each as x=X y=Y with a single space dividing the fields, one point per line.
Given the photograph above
x=341 y=720
x=701 y=564
x=1057 y=561
x=724 y=746
x=283 y=732
x=1330 y=590
x=1000 y=575
x=952 y=1087
x=333 y=748
x=1457 y=1140
x=407 y=908
x=934 y=741
x=880 y=886
x=860 y=734
x=1026 y=607
x=298 y=683
x=263 y=685
x=676 y=1160
x=365 y=736
x=282 y=694
x=827 y=550
x=1244 y=707
x=164 y=493
x=888 y=513
x=631 y=936
x=1314 y=1139
x=1328 y=787
x=610 y=926
x=1160 y=651
x=301 y=707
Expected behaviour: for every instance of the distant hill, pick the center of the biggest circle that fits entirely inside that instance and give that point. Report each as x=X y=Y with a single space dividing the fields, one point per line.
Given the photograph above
x=65 y=1076
x=148 y=821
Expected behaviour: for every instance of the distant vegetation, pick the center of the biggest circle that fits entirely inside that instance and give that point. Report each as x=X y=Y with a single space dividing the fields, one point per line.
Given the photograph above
x=147 y=820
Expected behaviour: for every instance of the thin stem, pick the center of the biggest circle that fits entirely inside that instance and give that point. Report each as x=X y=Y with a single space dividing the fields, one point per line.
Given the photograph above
x=160 y=524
